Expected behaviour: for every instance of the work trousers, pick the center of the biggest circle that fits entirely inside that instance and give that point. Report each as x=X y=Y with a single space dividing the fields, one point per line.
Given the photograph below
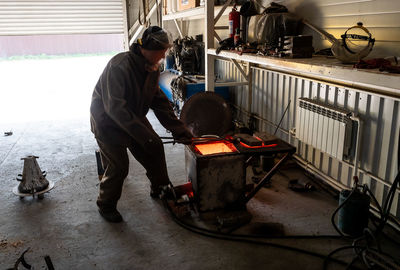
x=115 y=162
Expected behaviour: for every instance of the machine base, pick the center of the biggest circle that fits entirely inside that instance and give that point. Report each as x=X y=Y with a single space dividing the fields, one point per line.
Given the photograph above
x=39 y=194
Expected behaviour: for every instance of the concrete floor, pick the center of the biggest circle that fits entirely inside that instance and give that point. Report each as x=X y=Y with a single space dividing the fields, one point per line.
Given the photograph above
x=66 y=225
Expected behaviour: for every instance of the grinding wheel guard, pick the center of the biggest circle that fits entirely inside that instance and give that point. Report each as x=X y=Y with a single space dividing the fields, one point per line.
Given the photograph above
x=207 y=113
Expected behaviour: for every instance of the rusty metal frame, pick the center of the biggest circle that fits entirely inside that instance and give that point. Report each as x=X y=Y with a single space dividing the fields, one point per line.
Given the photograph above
x=266 y=178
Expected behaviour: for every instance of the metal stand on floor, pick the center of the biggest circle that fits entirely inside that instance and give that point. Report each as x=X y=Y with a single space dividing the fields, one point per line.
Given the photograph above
x=33 y=180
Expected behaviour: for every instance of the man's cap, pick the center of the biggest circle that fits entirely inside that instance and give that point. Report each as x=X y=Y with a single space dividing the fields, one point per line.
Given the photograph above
x=155 y=38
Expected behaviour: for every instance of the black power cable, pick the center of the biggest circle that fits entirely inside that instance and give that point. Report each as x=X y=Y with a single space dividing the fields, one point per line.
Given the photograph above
x=384 y=216
x=360 y=250
x=248 y=238
x=384 y=213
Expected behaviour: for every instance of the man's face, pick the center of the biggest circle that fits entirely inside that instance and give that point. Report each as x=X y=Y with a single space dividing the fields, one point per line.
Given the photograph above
x=153 y=57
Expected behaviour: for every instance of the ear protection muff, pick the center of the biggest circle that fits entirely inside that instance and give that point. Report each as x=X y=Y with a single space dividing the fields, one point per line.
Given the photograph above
x=144 y=41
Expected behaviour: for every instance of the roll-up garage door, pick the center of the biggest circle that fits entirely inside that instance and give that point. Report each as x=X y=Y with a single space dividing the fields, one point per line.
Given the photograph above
x=47 y=17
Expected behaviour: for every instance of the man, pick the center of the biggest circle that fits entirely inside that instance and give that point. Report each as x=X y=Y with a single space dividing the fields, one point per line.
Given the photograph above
x=126 y=90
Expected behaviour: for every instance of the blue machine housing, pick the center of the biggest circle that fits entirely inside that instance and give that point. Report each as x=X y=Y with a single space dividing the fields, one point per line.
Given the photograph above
x=191 y=88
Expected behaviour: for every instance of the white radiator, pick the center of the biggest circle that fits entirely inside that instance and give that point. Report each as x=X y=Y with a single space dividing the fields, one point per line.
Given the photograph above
x=325 y=127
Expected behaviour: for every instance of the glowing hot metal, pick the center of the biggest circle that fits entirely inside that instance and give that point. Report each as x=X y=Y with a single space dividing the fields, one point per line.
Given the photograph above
x=212 y=148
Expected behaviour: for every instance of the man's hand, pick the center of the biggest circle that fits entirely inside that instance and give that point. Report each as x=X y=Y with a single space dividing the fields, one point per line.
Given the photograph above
x=185 y=137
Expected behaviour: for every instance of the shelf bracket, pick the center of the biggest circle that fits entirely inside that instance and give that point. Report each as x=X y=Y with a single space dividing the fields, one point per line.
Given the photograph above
x=216 y=36
x=239 y=67
x=134 y=31
x=137 y=33
x=179 y=28
x=227 y=3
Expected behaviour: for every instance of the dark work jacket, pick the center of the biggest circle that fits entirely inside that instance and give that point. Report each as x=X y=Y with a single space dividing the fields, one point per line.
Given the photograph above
x=123 y=96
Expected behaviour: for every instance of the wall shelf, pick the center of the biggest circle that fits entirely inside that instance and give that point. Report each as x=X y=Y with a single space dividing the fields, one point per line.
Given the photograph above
x=323 y=68
x=193 y=14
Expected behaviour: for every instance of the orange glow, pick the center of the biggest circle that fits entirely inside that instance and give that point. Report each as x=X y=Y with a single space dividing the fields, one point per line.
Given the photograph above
x=257 y=147
x=261 y=146
x=215 y=148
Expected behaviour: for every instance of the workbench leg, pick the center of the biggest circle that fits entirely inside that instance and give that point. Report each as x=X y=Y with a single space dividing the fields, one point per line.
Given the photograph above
x=266 y=178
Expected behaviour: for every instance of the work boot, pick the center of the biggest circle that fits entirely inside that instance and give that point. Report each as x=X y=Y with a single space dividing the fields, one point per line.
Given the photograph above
x=162 y=192
x=155 y=193
x=110 y=214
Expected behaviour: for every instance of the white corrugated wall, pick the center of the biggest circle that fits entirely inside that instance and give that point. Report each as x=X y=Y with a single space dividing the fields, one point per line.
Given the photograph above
x=33 y=17
x=380 y=116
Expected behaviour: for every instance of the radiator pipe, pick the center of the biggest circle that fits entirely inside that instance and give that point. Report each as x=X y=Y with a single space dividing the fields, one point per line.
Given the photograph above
x=308 y=166
x=357 y=154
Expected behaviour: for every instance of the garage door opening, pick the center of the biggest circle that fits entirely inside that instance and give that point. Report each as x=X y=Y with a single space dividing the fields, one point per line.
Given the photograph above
x=51 y=55
x=48 y=87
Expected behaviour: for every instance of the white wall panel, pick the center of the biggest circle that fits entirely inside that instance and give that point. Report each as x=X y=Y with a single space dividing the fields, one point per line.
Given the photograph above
x=380 y=117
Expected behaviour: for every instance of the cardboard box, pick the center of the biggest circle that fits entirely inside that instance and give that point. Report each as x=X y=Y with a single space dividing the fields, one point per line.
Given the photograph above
x=187 y=4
